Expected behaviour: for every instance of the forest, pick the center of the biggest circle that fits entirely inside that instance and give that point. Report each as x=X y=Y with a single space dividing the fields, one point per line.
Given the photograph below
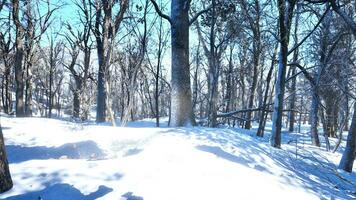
x=140 y=93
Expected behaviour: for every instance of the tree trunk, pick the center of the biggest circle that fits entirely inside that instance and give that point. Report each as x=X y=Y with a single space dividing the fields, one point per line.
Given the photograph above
x=256 y=62
x=50 y=95
x=280 y=84
x=181 y=101
x=28 y=95
x=158 y=69
x=5 y=177
x=261 y=127
x=29 y=59
x=19 y=55
x=314 y=120
x=349 y=154
x=76 y=103
x=102 y=95
x=285 y=15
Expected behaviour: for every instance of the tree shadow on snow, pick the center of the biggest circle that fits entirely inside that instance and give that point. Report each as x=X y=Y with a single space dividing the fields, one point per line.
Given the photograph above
x=130 y=196
x=217 y=151
x=80 y=150
x=314 y=174
x=61 y=192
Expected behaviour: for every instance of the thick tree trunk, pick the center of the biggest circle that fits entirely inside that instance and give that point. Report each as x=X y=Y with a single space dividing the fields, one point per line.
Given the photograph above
x=102 y=90
x=103 y=56
x=5 y=177
x=349 y=154
x=19 y=55
x=19 y=78
x=181 y=105
x=29 y=59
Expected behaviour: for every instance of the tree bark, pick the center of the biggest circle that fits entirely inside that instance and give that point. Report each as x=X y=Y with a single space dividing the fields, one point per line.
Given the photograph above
x=5 y=177
x=19 y=55
x=261 y=127
x=29 y=59
x=104 y=39
x=348 y=157
x=181 y=96
x=314 y=120
x=275 y=139
x=285 y=14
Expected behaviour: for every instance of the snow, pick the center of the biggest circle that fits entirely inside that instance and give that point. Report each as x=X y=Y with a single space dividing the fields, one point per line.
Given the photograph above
x=57 y=159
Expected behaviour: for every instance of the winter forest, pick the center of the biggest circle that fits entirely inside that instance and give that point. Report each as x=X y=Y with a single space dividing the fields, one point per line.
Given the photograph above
x=177 y=99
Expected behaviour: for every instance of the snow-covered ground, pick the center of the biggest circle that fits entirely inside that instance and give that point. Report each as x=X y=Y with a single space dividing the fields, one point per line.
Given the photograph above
x=60 y=160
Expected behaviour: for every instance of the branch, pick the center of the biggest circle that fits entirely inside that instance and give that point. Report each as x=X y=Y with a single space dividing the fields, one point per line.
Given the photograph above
x=228 y=114
x=195 y=17
x=309 y=34
x=124 y=4
x=2 y=3
x=349 y=21
x=333 y=46
x=160 y=13
x=232 y=113
x=305 y=72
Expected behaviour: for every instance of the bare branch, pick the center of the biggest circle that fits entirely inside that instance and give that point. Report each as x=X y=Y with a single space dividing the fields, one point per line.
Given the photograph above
x=195 y=17
x=124 y=4
x=305 y=72
x=160 y=13
x=348 y=20
x=311 y=32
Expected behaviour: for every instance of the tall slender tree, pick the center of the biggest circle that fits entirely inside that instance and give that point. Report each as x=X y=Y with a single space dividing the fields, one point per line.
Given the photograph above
x=285 y=10
x=106 y=28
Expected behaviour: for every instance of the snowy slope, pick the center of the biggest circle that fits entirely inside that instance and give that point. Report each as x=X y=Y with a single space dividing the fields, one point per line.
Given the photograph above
x=55 y=159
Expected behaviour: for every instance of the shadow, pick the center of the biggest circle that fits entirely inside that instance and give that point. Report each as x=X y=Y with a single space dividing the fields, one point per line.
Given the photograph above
x=301 y=165
x=5 y=128
x=114 y=177
x=80 y=150
x=61 y=192
x=132 y=152
x=217 y=151
x=143 y=123
x=129 y=196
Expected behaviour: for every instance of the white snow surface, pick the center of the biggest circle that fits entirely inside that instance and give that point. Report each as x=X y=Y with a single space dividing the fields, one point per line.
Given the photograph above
x=53 y=159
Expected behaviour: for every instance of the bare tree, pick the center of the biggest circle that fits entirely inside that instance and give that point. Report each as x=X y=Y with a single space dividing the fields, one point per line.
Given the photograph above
x=6 y=48
x=106 y=27
x=285 y=9
x=80 y=42
x=5 y=176
x=19 y=55
x=181 y=95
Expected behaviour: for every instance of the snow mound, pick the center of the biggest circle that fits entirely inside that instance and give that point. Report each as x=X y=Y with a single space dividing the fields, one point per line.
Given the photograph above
x=54 y=159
